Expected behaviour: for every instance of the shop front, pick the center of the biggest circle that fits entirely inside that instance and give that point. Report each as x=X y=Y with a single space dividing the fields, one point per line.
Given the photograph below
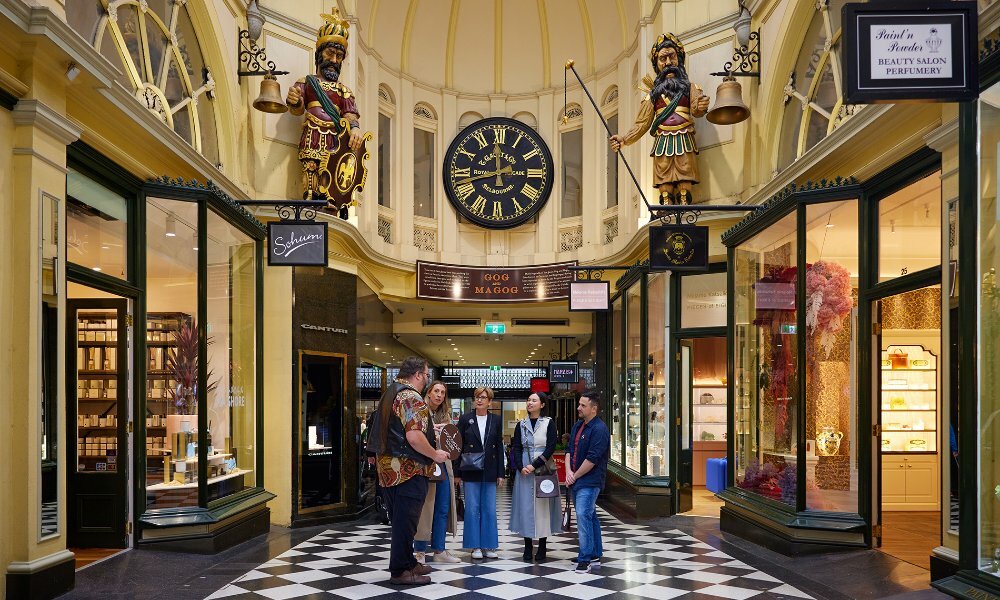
x=838 y=429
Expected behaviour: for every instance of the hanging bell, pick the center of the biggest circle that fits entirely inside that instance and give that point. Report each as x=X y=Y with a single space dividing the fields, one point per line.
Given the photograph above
x=729 y=108
x=269 y=100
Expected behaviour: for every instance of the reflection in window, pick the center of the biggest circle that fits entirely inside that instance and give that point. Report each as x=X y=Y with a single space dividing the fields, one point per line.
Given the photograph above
x=909 y=229
x=384 y=160
x=656 y=399
x=161 y=62
x=766 y=362
x=96 y=220
x=572 y=156
x=423 y=173
x=633 y=375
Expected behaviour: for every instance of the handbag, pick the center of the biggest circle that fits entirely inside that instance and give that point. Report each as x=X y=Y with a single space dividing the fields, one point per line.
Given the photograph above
x=546 y=486
x=472 y=461
x=437 y=474
x=567 y=515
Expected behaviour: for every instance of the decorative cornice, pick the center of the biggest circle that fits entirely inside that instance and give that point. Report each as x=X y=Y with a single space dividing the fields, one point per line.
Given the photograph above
x=944 y=136
x=209 y=187
x=13 y=85
x=783 y=200
x=39 y=115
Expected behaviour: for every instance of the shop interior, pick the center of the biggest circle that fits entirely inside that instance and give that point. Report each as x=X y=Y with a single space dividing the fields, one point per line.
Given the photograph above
x=704 y=423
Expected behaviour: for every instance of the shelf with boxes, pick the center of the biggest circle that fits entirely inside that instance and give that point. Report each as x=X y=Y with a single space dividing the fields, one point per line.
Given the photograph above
x=908 y=399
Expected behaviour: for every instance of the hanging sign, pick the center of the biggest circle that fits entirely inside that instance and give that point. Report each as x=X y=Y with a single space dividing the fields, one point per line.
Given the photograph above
x=678 y=248
x=898 y=51
x=589 y=295
x=564 y=372
x=436 y=281
x=297 y=244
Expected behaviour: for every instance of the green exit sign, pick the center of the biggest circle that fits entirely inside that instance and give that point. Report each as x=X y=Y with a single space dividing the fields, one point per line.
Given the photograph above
x=496 y=328
x=494 y=367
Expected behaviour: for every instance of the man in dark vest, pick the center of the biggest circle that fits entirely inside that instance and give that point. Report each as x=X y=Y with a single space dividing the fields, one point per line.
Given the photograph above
x=403 y=441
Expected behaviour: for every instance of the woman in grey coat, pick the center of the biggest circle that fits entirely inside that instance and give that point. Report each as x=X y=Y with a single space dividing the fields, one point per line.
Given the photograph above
x=532 y=448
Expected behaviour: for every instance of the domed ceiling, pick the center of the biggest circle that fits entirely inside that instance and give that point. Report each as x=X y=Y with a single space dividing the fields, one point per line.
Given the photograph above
x=497 y=46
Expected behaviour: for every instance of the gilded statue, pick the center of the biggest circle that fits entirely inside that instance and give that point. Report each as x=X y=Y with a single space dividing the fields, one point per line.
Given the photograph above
x=669 y=106
x=330 y=171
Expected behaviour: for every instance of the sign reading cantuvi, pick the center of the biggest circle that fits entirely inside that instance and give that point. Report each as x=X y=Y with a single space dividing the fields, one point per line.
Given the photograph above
x=459 y=283
x=297 y=244
x=897 y=51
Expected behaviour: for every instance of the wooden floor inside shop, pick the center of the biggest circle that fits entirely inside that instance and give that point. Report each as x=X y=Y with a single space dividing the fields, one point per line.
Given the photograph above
x=910 y=536
x=88 y=556
x=703 y=503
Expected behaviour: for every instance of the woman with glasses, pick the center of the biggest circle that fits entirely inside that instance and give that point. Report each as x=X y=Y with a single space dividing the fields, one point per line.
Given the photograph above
x=438 y=516
x=533 y=446
x=481 y=469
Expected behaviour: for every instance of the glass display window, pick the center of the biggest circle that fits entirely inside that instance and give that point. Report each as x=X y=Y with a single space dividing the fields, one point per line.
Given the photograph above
x=618 y=377
x=703 y=300
x=633 y=376
x=97 y=224
x=656 y=382
x=909 y=233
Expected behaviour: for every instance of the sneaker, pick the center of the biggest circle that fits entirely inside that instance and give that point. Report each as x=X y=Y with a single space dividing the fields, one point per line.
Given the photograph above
x=419 y=556
x=582 y=567
x=492 y=554
x=445 y=557
x=477 y=554
x=596 y=563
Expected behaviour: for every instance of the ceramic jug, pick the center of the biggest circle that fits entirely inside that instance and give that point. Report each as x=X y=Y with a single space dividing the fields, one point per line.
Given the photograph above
x=828 y=441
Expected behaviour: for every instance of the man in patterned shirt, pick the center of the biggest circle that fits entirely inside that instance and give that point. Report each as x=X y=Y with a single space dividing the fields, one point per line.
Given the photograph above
x=405 y=456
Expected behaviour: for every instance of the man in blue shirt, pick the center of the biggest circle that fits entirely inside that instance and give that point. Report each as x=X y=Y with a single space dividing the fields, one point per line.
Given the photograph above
x=589 y=446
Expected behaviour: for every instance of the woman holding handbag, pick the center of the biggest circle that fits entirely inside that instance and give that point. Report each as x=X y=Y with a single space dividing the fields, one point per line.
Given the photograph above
x=438 y=516
x=534 y=511
x=481 y=468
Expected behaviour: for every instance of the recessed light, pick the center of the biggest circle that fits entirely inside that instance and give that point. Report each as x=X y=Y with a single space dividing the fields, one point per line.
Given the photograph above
x=98 y=269
x=367 y=344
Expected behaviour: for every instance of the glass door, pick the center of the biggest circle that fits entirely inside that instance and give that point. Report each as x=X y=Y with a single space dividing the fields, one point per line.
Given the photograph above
x=685 y=452
x=321 y=432
x=97 y=416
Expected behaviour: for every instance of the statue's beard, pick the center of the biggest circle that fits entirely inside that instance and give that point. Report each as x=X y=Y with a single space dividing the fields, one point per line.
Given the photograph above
x=330 y=70
x=671 y=86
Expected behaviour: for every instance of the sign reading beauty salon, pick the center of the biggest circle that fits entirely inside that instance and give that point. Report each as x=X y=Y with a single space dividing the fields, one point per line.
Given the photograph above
x=297 y=244
x=899 y=51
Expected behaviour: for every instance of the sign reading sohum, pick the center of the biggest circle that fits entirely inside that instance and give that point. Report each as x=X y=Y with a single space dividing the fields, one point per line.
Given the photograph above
x=297 y=244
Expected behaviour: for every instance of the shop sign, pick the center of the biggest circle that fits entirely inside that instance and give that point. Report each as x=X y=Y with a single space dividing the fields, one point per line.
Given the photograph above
x=564 y=372
x=775 y=296
x=297 y=244
x=704 y=300
x=589 y=295
x=678 y=248
x=898 y=51
x=436 y=281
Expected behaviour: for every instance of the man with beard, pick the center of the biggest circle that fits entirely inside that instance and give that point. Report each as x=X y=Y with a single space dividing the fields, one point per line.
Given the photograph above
x=667 y=112
x=325 y=101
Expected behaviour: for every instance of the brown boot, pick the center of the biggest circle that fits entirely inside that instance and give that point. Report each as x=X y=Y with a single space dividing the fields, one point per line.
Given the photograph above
x=410 y=578
x=422 y=570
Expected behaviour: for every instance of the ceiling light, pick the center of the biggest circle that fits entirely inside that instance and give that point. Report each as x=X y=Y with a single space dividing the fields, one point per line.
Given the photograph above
x=171 y=225
x=98 y=269
x=449 y=339
x=72 y=71
x=194 y=241
x=367 y=344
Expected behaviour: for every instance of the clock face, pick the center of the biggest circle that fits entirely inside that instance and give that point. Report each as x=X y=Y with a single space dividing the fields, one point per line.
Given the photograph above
x=498 y=173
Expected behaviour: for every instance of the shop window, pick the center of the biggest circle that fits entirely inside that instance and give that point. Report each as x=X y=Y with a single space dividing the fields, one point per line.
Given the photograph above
x=51 y=315
x=831 y=302
x=766 y=363
x=161 y=62
x=423 y=173
x=617 y=398
x=97 y=224
x=988 y=357
x=909 y=229
x=814 y=107
x=633 y=376
x=322 y=399
x=384 y=161
x=572 y=157
x=703 y=300
x=611 y=177
x=656 y=398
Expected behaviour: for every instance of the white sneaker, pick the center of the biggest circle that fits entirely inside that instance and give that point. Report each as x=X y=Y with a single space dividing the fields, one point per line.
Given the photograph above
x=477 y=554
x=492 y=554
x=419 y=556
x=445 y=557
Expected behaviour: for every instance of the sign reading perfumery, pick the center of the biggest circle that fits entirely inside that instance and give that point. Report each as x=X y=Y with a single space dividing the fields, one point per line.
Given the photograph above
x=297 y=244
x=458 y=283
x=678 y=248
x=898 y=51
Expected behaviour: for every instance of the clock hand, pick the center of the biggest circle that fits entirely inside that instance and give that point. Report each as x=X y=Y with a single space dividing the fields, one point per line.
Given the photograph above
x=504 y=171
x=496 y=153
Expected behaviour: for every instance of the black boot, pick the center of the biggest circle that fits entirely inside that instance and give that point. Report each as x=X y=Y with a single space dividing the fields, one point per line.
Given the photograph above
x=527 y=550
x=540 y=555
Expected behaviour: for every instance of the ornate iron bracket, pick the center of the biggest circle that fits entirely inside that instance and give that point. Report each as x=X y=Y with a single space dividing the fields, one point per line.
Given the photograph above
x=253 y=59
x=745 y=60
x=689 y=214
x=594 y=272
x=291 y=210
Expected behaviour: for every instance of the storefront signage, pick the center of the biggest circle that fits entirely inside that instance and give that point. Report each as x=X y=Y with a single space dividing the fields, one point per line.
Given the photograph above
x=897 y=51
x=704 y=300
x=589 y=295
x=297 y=244
x=775 y=296
x=324 y=328
x=678 y=248
x=436 y=281
x=564 y=372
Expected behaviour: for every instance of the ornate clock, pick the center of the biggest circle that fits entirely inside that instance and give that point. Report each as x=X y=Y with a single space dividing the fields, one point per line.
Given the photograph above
x=498 y=173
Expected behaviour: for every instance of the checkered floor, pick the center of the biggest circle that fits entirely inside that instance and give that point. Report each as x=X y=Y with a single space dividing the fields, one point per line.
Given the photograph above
x=351 y=561
x=50 y=518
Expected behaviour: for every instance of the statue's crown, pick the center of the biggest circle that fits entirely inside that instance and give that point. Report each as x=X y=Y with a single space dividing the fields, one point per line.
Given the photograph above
x=334 y=29
x=675 y=42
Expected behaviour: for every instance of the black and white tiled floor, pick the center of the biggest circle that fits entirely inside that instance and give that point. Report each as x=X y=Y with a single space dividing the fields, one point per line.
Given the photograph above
x=351 y=562
x=50 y=518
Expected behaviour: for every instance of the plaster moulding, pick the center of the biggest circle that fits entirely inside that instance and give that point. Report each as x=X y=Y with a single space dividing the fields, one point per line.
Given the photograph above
x=944 y=136
x=39 y=115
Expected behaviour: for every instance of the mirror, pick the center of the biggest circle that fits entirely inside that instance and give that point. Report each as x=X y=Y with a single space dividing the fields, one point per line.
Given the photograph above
x=51 y=264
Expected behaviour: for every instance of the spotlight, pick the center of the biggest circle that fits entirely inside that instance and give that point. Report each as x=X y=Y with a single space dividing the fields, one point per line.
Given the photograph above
x=72 y=71
x=171 y=225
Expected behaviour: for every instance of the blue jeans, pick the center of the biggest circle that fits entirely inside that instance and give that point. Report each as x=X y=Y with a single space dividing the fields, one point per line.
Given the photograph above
x=480 y=529
x=587 y=523
x=439 y=527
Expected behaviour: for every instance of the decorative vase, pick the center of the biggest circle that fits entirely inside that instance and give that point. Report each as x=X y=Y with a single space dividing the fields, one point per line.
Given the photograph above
x=828 y=441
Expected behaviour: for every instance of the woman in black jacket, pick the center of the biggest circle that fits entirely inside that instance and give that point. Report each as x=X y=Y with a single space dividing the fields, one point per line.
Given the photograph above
x=481 y=469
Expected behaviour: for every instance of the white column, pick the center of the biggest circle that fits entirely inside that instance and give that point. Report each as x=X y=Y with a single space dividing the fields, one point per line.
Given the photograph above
x=403 y=166
x=448 y=218
x=547 y=232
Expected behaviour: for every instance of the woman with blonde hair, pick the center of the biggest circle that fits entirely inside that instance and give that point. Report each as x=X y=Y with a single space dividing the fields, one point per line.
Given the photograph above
x=438 y=516
x=481 y=469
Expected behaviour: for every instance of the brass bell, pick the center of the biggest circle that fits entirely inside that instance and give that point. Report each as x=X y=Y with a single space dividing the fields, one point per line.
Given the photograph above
x=729 y=108
x=269 y=100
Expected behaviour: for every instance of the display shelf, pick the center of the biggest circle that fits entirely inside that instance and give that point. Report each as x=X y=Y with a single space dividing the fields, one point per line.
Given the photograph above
x=159 y=487
x=915 y=386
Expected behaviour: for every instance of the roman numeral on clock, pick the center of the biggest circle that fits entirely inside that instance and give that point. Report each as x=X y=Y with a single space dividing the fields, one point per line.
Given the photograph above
x=497 y=210
x=539 y=173
x=463 y=172
x=478 y=205
x=462 y=150
x=481 y=138
x=464 y=191
x=534 y=152
x=531 y=192
x=499 y=135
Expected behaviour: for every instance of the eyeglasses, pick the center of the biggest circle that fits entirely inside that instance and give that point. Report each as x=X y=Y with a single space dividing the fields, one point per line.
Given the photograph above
x=483 y=397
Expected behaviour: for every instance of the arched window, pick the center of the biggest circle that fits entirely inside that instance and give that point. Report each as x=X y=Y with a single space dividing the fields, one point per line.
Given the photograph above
x=813 y=95
x=155 y=44
x=468 y=119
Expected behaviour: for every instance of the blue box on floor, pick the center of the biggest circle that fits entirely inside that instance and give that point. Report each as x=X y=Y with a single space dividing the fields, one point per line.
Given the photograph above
x=715 y=474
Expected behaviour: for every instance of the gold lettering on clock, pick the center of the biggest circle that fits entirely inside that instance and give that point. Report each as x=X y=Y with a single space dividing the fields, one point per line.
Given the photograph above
x=478 y=205
x=481 y=138
x=497 y=210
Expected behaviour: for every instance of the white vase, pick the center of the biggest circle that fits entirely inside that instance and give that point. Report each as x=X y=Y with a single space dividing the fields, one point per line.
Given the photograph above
x=828 y=441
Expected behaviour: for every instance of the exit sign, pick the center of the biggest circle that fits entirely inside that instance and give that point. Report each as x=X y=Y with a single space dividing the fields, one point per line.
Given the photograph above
x=494 y=367
x=496 y=328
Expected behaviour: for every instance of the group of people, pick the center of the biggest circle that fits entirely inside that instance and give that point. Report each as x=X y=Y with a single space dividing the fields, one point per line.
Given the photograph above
x=405 y=443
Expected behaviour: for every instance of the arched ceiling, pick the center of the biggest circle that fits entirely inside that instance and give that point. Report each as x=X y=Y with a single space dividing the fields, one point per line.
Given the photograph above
x=458 y=44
